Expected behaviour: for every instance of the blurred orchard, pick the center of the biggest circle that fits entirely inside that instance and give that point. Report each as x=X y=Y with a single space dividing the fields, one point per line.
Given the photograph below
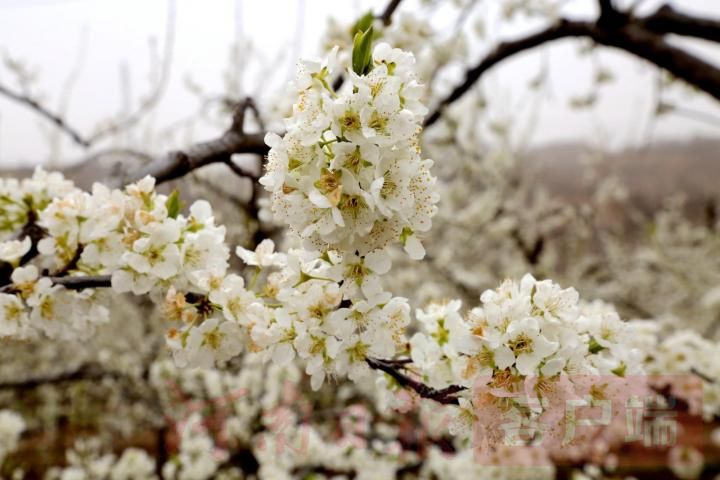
x=366 y=269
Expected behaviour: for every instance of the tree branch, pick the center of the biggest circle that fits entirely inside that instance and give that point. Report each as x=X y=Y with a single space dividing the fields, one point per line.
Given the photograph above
x=446 y=396
x=71 y=283
x=505 y=50
x=87 y=372
x=668 y=20
x=81 y=282
x=47 y=114
x=234 y=140
x=655 y=49
x=176 y=164
x=387 y=14
x=640 y=36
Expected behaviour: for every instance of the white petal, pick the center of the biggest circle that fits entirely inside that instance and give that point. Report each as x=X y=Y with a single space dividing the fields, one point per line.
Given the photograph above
x=378 y=261
x=319 y=199
x=414 y=248
x=504 y=357
x=526 y=364
x=283 y=354
x=553 y=366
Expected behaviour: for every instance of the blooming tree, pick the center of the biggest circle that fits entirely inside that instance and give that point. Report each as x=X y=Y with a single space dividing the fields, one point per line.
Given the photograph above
x=348 y=181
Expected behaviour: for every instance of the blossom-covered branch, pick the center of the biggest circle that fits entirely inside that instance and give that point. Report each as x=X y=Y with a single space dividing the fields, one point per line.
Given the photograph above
x=445 y=395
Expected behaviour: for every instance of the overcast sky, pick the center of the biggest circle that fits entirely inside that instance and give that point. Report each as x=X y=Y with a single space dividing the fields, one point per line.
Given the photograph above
x=48 y=34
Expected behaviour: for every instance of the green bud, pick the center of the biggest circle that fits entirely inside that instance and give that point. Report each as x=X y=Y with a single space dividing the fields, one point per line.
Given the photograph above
x=362 y=52
x=363 y=24
x=594 y=346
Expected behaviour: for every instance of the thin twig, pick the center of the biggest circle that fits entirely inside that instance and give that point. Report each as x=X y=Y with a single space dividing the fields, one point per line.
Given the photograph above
x=47 y=114
x=114 y=127
x=155 y=96
x=446 y=396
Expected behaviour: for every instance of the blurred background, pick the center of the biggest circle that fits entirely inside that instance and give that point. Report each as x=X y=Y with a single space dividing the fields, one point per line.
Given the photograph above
x=96 y=60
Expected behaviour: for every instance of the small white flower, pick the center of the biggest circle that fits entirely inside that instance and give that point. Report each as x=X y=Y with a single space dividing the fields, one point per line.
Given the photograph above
x=11 y=251
x=263 y=256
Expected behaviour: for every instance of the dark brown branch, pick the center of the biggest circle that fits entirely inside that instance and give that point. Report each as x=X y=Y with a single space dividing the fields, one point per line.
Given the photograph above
x=239 y=171
x=83 y=374
x=702 y=376
x=668 y=20
x=81 y=282
x=386 y=15
x=609 y=16
x=72 y=264
x=641 y=37
x=446 y=396
x=71 y=283
x=234 y=140
x=505 y=50
x=240 y=110
x=606 y=7
x=177 y=164
x=47 y=114
x=655 y=49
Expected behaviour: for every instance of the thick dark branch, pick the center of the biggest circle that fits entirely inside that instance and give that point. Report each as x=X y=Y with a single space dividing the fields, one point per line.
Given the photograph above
x=47 y=114
x=655 y=49
x=445 y=396
x=79 y=283
x=234 y=140
x=562 y=29
x=606 y=7
x=668 y=20
x=387 y=14
x=641 y=37
x=178 y=164
x=609 y=17
x=83 y=374
x=71 y=283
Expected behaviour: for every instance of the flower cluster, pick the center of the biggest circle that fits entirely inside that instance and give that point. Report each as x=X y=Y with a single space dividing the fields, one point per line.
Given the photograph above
x=348 y=175
x=36 y=306
x=527 y=339
x=530 y=328
x=135 y=235
x=311 y=321
x=686 y=363
x=20 y=199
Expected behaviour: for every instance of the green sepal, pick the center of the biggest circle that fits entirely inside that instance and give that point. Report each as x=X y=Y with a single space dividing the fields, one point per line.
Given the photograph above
x=173 y=204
